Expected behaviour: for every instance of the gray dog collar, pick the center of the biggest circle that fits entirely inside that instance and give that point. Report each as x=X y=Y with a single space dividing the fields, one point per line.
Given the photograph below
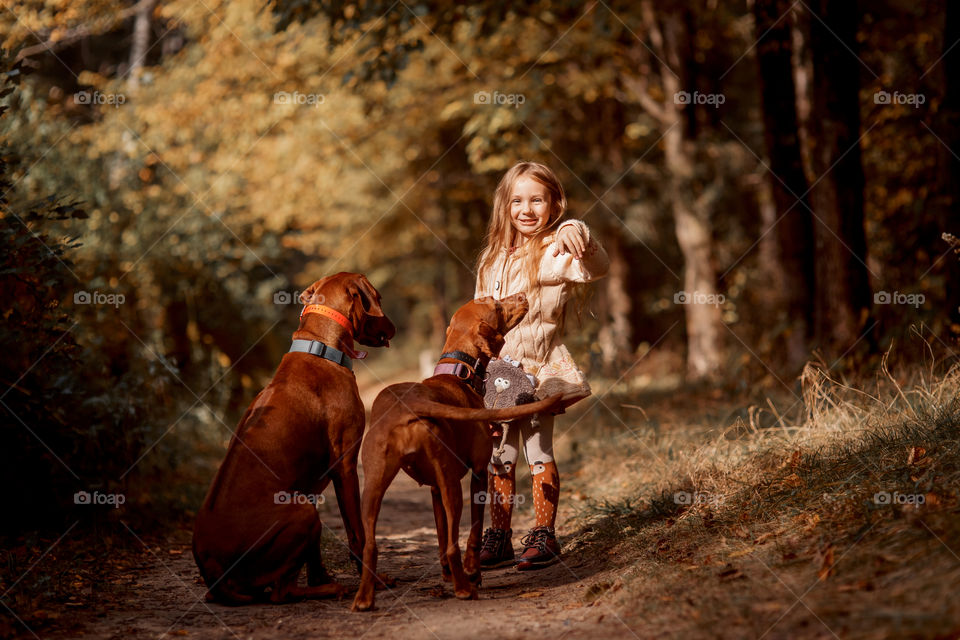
x=317 y=348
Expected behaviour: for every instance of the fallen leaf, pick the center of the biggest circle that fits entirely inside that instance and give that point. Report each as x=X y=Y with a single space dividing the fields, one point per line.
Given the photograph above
x=826 y=564
x=793 y=480
x=915 y=454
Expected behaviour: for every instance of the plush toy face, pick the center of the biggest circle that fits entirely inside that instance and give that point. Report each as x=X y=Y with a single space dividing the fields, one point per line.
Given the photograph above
x=507 y=385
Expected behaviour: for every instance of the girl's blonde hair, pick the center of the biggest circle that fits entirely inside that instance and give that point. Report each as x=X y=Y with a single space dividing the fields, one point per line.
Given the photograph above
x=501 y=233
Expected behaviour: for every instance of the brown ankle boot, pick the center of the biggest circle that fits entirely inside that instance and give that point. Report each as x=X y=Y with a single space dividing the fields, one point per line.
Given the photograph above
x=496 y=550
x=541 y=549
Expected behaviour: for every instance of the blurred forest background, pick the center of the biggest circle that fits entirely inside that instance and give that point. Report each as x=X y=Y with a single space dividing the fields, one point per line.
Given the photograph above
x=770 y=179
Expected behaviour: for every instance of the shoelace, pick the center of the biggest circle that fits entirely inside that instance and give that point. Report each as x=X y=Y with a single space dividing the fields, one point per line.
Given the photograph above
x=537 y=538
x=492 y=539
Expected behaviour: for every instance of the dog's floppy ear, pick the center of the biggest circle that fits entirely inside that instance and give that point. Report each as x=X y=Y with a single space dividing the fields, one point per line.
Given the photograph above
x=492 y=339
x=374 y=328
x=312 y=295
x=366 y=297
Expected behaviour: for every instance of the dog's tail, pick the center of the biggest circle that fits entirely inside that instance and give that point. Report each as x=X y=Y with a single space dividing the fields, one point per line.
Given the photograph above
x=431 y=409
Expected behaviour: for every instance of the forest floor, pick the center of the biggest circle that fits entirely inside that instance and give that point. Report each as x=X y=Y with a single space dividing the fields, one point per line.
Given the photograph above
x=784 y=537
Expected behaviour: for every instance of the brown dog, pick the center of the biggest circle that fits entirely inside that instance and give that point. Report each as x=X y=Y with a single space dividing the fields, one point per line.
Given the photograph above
x=436 y=431
x=259 y=524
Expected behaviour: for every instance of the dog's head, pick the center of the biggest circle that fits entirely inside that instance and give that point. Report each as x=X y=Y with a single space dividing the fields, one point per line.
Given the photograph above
x=352 y=295
x=478 y=327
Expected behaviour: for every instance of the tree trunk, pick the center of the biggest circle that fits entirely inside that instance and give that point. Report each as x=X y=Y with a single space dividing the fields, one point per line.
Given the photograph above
x=438 y=317
x=694 y=234
x=843 y=296
x=793 y=228
x=950 y=132
x=702 y=313
x=141 y=41
x=616 y=334
x=691 y=214
x=615 y=337
x=802 y=72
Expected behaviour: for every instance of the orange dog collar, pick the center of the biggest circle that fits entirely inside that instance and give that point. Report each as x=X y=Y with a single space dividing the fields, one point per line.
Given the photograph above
x=333 y=314
x=340 y=319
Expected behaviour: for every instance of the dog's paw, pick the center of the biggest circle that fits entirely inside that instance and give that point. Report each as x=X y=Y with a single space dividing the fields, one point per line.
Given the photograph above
x=362 y=604
x=468 y=594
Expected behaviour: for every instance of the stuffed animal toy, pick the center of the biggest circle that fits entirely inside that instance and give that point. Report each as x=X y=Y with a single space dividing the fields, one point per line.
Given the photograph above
x=507 y=386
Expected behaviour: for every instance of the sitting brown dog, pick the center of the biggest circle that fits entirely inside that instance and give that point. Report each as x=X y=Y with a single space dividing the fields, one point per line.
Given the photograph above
x=436 y=431
x=259 y=524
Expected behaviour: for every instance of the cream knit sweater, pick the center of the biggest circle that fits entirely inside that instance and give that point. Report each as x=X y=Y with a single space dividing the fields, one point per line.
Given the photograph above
x=534 y=342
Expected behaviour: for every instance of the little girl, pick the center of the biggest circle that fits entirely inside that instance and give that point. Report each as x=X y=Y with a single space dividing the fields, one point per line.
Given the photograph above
x=530 y=248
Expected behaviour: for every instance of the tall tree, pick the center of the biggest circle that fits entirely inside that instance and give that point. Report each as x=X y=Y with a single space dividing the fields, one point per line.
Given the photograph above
x=950 y=153
x=843 y=296
x=793 y=228
x=141 y=40
x=691 y=203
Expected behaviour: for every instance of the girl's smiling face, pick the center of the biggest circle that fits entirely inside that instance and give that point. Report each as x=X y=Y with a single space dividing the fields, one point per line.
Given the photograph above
x=529 y=206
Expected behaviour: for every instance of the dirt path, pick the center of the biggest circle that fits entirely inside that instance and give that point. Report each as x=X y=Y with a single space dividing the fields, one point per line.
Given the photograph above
x=166 y=597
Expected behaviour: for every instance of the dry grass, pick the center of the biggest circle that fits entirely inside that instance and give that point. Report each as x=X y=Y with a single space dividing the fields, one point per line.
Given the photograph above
x=791 y=535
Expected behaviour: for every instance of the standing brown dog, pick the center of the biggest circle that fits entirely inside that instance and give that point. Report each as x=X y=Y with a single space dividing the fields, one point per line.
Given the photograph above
x=259 y=524
x=436 y=431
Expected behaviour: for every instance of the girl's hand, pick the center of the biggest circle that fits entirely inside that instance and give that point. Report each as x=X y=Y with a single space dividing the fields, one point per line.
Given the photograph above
x=570 y=240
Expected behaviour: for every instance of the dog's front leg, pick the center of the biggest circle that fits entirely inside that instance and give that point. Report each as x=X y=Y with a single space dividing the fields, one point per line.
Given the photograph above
x=346 y=482
x=478 y=491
